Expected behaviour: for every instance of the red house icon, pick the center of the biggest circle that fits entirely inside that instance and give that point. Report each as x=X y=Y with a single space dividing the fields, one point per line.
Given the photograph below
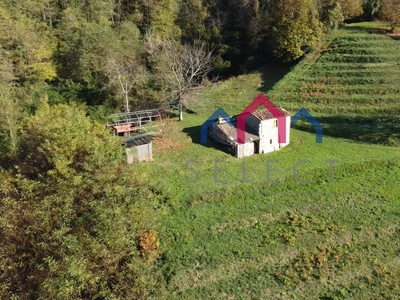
x=261 y=99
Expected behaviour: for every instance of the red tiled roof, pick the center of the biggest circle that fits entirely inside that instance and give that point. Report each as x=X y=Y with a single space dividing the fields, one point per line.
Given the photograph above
x=265 y=114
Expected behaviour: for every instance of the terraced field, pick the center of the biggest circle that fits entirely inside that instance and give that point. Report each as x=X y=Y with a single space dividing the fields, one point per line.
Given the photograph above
x=230 y=233
x=353 y=84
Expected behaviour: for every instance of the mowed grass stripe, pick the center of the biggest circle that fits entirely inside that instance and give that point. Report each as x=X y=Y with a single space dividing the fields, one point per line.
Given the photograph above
x=384 y=47
x=386 y=88
x=384 y=72
x=378 y=80
x=380 y=103
x=360 y=58
x=342 y=68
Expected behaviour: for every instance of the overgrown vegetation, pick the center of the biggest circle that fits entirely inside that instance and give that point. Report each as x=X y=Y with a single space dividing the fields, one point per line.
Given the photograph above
x=77 y=223
x=73 y=221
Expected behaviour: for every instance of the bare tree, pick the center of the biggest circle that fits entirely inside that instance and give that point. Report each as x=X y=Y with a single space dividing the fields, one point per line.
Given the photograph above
x=125 y=64
x=182 y=68
x=125 y=76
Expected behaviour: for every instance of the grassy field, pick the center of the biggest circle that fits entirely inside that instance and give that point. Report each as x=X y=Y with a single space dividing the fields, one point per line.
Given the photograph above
x=352 y=84
x=251 y=228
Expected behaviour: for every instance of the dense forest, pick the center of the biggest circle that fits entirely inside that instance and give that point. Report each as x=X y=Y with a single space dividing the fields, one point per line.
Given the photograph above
x=98 y=52
x=73 y=222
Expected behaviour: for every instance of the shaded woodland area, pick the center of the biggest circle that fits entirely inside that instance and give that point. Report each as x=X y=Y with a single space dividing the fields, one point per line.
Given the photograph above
x=74 y=224
x=100 y=52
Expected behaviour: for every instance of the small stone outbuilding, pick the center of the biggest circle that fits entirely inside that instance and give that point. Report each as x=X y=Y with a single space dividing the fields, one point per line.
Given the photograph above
x=261 y=134
x=225 y=132
x=139 y=148
x=266 y=125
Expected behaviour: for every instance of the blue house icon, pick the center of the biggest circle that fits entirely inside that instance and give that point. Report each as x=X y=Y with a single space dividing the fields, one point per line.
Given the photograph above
x=304 y=113
x=218 y=113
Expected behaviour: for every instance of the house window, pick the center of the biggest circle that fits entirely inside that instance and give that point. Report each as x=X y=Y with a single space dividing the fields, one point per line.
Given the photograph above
x=270 y=141
x=275 y=123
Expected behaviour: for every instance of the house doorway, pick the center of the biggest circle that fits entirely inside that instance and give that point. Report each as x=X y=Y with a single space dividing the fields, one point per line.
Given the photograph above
x=256 y=147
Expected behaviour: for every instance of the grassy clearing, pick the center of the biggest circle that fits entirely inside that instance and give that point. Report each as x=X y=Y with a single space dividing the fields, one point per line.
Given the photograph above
x=334 y=237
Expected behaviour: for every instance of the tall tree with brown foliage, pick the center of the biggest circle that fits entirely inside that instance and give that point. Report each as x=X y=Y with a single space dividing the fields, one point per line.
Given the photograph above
x=390 y=12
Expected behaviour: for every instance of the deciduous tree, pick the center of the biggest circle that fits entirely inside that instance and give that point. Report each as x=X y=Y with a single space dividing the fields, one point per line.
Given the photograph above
x=295 y=28
x=28 y=44
x=330 y=14
x=351 y=8
x=390 y=12
x=163 y=15
x=9 y=109
x=181 y=68
x=371 y=9
x=126 y=64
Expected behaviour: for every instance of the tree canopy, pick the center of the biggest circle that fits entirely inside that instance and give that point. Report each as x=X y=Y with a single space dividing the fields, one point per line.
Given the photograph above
x=72 y=221
x=295 y=28
x=96 y=51
x=390 y=12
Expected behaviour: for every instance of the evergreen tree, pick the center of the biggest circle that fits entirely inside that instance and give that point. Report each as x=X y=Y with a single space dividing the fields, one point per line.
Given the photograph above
x=330 y=14
x=371 y=9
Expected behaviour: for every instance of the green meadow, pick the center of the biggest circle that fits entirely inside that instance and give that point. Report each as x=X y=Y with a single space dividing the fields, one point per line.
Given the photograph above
x=311 y=221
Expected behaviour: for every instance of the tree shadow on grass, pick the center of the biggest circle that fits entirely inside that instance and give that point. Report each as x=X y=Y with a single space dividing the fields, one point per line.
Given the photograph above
x=371 y=30
x=394 y=36
x=383 y=130
x=272 y=74
x=193 y=133
x=384 y=30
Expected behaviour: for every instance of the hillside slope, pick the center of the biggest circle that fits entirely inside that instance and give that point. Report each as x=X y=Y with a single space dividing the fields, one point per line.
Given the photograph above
x=352 y=85
x=230 y=233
